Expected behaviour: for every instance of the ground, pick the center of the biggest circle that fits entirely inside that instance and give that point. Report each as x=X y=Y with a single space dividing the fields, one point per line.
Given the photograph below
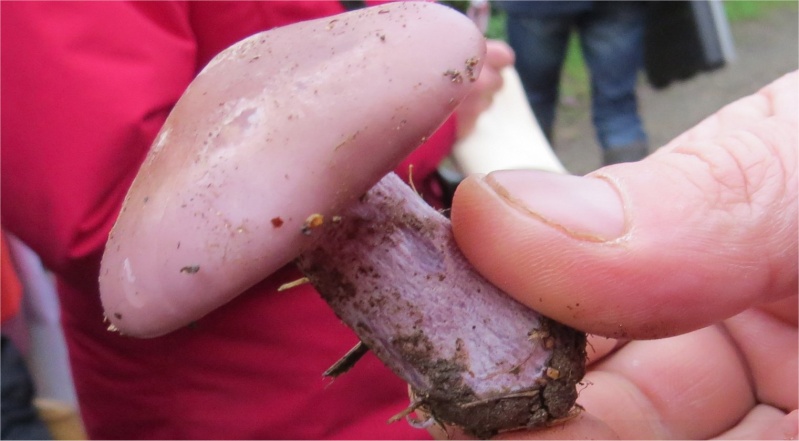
x=766 y=48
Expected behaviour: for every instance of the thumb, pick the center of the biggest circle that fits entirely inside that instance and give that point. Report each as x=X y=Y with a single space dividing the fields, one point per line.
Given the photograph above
x=696 y=233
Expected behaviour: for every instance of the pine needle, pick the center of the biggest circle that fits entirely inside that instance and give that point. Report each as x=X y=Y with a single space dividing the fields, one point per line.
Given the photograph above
x=294 y=284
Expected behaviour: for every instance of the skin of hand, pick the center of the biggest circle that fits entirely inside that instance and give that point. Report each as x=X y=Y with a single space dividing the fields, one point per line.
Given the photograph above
x=681 y=267
x=498 y=56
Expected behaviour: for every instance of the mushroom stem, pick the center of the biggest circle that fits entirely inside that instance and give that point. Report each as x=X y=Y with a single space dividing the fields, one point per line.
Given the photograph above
x=476 y=358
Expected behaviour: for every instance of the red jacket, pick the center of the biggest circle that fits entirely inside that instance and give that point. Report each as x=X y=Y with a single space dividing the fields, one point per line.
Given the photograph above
x=10 y=286
x=86 y=86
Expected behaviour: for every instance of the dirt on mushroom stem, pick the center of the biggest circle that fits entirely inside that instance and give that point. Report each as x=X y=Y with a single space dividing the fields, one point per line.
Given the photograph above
x=473 y=357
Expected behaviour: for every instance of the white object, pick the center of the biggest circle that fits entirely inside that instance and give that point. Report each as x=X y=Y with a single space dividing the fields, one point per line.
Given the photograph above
x=48 y=360
x=506 y=135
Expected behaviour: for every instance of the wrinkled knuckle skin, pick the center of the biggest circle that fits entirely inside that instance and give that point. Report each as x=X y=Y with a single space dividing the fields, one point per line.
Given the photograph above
x=747 y=173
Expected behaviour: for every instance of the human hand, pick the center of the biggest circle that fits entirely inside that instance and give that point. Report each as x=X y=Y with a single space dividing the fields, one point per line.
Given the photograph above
x=683 y=266
x=498 y=56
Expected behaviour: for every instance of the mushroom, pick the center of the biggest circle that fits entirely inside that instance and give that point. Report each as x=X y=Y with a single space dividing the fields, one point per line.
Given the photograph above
x=269 y=157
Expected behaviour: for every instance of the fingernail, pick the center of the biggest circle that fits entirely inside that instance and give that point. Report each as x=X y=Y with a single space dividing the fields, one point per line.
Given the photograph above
x=584 y=207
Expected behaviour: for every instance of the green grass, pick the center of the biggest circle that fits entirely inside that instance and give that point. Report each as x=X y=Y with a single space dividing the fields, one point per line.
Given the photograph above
x=738 y=10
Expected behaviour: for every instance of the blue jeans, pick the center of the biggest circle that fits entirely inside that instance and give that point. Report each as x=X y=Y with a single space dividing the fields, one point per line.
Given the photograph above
x=611 y=37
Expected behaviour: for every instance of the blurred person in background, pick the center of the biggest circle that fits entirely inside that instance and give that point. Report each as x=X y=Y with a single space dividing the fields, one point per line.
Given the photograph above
x=612 y=40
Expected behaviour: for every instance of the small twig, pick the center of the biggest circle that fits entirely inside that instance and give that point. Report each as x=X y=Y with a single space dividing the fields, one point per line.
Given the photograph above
x=525 y=394
x=407 y=411
x=410 y=180
x=347 y=361
x=294 y=284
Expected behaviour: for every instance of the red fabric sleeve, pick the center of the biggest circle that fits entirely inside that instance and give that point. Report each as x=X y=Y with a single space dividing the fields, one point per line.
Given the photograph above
x=10 y=286
x=217 y=25
x=80 y=106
